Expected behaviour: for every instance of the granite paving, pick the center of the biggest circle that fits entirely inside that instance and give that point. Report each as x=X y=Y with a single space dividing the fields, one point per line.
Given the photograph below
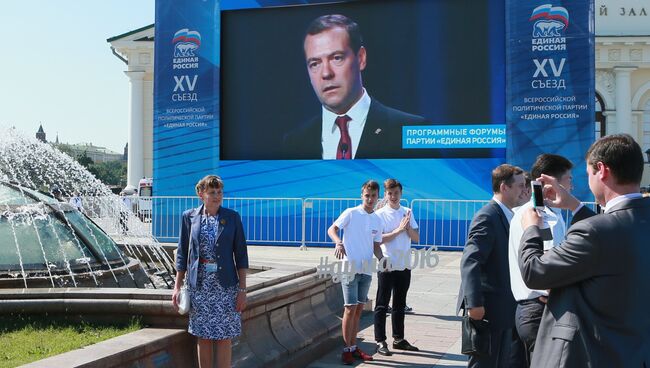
x=433 y=326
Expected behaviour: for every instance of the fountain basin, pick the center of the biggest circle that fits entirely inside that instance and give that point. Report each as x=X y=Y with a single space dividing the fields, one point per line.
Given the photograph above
x=47 y=243
x=291 y=317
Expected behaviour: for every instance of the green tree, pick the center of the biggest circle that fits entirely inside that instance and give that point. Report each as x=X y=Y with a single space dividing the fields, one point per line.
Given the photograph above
x=110 y=173
x=65 y=149
x=84 y=160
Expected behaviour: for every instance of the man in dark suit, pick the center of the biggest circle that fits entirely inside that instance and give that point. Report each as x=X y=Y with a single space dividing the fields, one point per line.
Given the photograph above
x=485 y=279
x=531 y=303
x=596 y=314
x=351 y=124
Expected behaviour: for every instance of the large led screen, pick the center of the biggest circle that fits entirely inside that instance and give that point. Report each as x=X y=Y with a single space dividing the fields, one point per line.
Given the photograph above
x=432 y=72
x=432 y=115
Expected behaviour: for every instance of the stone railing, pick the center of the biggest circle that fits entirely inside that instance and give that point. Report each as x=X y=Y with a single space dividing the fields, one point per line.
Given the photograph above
x=292 y=317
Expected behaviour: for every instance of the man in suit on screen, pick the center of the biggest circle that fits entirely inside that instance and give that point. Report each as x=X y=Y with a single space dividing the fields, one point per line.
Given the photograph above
x=596 y=315
x=351 y=124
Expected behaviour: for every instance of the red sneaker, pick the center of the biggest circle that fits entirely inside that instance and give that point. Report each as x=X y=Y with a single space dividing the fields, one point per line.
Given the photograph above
x=359 y=354
x=347 y=358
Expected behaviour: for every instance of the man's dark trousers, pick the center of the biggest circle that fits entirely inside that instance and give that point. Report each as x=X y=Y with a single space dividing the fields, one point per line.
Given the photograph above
x=397 y=283
x=527 y=319
x=507 y=351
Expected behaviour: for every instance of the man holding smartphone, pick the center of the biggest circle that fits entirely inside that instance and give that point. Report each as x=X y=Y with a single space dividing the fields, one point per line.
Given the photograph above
x=530 y=303
x=596 y=314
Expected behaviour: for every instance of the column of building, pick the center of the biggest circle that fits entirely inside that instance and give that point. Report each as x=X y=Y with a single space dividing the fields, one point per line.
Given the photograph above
x=135 y=169
x=624 y=100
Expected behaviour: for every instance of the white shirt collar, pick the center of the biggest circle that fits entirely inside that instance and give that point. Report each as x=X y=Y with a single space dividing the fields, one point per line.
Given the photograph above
x=330 y=133
x=612 y=202
x=507 y=211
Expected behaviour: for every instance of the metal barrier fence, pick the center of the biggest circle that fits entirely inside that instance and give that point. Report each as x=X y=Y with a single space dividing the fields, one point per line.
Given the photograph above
x=304 y=222
x=320 y=213
x=265 y=220
x=444 y=223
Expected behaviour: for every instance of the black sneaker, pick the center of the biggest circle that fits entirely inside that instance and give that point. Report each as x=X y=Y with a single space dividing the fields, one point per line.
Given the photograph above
x=407 y=310
x=404 y=345
x=382 y=349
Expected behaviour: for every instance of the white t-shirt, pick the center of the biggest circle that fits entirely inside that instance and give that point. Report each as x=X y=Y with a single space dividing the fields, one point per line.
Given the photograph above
x=556 y=223
x=397 y=250
x=360 y=230
x=126 y=203
x=76 y=203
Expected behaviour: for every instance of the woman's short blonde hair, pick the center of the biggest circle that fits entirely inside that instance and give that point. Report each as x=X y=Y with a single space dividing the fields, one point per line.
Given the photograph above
x=209 y=181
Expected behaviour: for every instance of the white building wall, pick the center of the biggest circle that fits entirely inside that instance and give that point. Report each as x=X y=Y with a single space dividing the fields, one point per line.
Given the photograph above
x=148 y=128
x=623 y=42
x=137 y=48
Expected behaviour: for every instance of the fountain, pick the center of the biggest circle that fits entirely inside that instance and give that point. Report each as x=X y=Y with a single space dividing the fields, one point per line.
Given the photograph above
x=45 y=242
x=55 y=259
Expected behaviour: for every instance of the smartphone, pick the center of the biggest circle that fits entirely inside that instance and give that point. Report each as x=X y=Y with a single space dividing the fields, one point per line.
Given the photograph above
x=538 y=196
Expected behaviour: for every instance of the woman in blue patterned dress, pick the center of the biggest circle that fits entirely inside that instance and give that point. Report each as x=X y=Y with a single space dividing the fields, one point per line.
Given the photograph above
x=212 y=251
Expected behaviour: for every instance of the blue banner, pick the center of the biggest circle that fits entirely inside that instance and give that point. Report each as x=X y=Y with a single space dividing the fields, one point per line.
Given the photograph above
x=550 y=83
x=186 y=94
x=454 y=136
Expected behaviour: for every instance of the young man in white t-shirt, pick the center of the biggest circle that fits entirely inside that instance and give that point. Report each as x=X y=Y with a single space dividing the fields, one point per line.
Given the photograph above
x=399 y=230
x=361 y=239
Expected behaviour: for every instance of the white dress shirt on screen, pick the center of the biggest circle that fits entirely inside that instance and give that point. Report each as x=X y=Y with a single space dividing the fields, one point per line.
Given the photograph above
x=331 y=134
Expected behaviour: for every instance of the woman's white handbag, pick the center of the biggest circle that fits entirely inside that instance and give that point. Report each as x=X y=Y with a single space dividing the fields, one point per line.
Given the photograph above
x=183 y=300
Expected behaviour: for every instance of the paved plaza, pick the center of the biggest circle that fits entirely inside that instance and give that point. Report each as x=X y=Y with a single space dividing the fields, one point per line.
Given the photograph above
x=433 y=326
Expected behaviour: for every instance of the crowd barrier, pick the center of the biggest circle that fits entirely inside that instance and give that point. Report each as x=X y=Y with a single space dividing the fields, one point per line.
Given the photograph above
x=443 y=223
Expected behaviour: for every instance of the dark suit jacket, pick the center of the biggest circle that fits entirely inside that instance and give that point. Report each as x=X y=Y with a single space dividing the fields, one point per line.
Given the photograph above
x=484 y=271
x=381 y=137
x=231 y=250
x=597 y=311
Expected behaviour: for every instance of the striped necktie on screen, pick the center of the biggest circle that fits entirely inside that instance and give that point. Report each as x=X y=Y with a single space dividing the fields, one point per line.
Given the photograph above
x=344 y=150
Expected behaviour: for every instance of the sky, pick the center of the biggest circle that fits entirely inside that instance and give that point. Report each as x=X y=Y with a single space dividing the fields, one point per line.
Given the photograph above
x=58 y=69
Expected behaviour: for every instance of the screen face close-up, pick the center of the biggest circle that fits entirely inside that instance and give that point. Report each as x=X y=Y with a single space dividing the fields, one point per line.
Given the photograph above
x=434 y=72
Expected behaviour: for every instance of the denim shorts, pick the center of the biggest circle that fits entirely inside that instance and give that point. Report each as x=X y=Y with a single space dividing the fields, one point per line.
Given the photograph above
x=355 y=288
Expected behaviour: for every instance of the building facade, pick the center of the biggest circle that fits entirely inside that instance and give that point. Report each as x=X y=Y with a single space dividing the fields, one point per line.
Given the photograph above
x=623 y=70
x=95 y=153
x=622 y=80
x=135 y=49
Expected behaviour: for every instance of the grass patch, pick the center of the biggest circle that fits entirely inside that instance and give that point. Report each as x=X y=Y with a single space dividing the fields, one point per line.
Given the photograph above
x=27 y=338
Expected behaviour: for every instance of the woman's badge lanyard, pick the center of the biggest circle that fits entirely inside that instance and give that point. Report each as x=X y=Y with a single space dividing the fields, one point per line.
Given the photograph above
x=212 y=265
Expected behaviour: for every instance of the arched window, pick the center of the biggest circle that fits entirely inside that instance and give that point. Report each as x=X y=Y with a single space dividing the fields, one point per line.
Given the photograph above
x=600 y=121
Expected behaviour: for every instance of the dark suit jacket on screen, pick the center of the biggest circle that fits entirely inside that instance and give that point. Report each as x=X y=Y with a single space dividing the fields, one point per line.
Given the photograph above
x=597 y=312
x=381 y=137
x=484 y=271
